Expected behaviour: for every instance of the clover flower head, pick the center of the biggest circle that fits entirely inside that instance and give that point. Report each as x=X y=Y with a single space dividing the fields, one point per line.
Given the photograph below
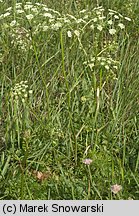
x=116 y=188
x=87 y=161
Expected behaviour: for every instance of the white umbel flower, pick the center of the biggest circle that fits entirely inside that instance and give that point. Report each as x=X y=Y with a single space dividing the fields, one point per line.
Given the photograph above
x=121 y=25
x=127 y=18
x=13 y=23
x=29 y=17
x=99 y=27
x=112 y=31
x=110 y=22
x=69 y=34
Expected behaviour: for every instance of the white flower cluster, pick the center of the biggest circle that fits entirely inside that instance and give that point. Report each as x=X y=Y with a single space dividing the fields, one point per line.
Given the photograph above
x=115 y=21
x=20 y=37
x=43 y=19
x=47 y=18
x=20 y=91
x=36 y=15
x=95 y=19
x=102 y=61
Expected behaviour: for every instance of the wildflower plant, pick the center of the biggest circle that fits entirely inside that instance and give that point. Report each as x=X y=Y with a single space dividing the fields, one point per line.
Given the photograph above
x=78 y=118
x=20 y=92
x=19 y=19
x=87 y=161
x=116 y=188
x=26 y=22
x=19 y=122
x=18 y=131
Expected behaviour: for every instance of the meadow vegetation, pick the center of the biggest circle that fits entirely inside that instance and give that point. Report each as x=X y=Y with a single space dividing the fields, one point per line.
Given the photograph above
x=69 y=99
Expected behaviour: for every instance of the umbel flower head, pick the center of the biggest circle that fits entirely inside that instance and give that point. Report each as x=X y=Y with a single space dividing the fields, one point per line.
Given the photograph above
x=20 y=91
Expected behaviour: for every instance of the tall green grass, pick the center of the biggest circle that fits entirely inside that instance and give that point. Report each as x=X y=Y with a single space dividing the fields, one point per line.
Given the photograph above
x=76 y=110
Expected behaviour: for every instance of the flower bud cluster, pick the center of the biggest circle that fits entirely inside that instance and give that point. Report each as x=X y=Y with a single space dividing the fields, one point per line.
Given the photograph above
x=21 y=91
